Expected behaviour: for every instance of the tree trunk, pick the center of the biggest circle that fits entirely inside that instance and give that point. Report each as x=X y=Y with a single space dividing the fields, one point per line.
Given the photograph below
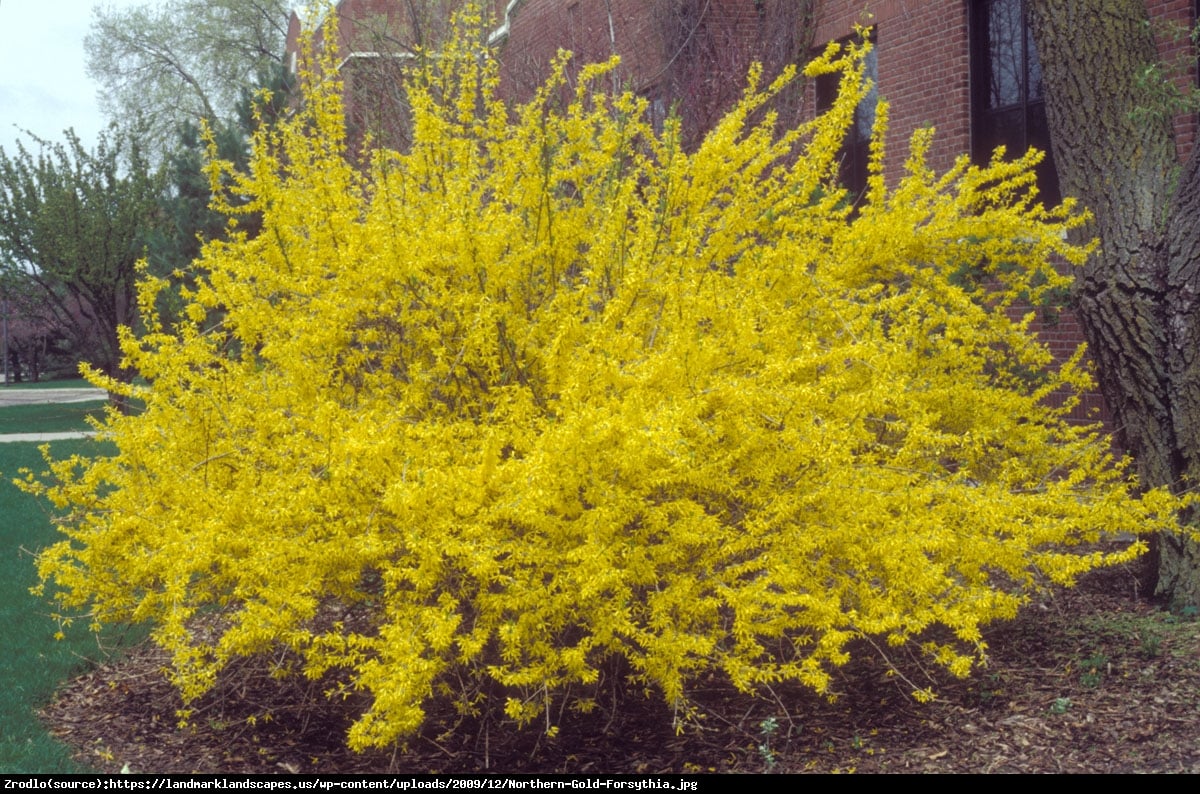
x=1137 y=296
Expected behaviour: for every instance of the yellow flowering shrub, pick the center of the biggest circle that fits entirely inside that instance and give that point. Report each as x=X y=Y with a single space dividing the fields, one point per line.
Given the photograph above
x=547 y=391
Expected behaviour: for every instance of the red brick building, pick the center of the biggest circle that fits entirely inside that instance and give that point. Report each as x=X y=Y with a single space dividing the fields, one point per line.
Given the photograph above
x=934 y=59
x=691 y=56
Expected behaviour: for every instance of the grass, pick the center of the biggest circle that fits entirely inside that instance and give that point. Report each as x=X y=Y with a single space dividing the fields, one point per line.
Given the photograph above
x=34 y=662
x=52 y=418
x=49 y=418
x=70 y=383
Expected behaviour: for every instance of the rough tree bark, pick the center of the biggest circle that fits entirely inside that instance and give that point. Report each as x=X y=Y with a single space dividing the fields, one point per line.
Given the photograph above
x=1137 y=298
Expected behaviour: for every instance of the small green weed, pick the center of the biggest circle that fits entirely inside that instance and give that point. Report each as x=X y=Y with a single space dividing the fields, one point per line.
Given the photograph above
x=768 y=727
x=1092 y=670
x=990 y=686
x=1151 y=644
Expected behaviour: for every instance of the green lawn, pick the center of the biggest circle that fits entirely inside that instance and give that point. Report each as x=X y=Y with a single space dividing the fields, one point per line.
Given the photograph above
x=55 y=418
x=34 y=663
x=70 y=383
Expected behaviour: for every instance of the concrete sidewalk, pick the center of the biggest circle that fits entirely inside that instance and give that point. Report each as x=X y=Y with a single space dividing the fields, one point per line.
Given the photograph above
x=43 y=437
x=10 y=396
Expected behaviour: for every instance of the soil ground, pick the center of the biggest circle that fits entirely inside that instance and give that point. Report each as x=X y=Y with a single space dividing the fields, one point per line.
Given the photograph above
x=1092 y=679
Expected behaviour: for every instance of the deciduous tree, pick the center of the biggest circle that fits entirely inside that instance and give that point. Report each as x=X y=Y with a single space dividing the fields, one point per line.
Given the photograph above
x=34 y=338
x=73 y=225
x=1138 y=296
x=181 y=61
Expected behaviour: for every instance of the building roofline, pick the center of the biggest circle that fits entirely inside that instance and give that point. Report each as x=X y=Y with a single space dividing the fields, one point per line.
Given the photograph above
x=500 y=34
x=370 y=54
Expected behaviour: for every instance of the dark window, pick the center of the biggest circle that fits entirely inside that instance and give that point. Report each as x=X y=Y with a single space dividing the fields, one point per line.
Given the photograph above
x=1008 y=106
x=857 y=147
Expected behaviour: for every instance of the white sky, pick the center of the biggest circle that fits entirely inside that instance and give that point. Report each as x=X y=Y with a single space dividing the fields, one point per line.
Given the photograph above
x=43 y=85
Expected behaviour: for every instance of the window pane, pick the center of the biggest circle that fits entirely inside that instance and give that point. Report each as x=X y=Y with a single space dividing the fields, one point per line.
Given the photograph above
x=1002 y=127
x=855 y=152
x=1038 y=137
x=864 y=114
x=827 y=88
x=1005 y=65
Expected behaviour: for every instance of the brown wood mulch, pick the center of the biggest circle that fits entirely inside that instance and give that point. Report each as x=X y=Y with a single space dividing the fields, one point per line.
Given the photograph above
x=1086 y=680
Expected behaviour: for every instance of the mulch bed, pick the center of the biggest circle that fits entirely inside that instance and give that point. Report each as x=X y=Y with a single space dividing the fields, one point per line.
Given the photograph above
x=1085 y=680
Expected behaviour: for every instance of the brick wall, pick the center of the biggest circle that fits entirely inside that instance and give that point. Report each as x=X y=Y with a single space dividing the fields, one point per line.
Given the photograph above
x=923 y=69
x=376 y=42
x=1175 y=21
x=922 y=48
x=539 y=29
x=692 y=55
